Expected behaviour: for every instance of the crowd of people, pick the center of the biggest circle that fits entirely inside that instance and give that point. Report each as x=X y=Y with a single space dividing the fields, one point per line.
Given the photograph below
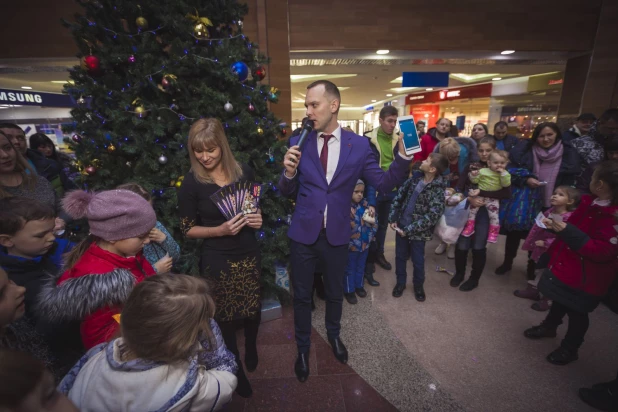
x=82 y=323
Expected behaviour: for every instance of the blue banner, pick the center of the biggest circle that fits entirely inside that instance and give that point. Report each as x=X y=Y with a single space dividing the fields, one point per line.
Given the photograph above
x=30 y=98
x=424 y=79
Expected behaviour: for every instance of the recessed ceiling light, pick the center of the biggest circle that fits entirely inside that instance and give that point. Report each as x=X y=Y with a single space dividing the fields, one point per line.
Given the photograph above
x=429 y=89
x=383 y=52
x=507 y=52
x=495 y=79
x=26 y=87
x=373 y=101
x=389 y=95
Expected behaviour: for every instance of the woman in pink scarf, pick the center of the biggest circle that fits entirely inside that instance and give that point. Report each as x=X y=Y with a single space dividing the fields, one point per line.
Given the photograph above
x=553 y=163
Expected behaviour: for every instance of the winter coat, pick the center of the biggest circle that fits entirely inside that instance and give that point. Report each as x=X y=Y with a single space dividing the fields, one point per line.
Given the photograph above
x=584 y=254
x=428 y=208
x=370 y=192
x=154 y=251
x=521 y=157
x=102 y=381
x=571 y=134
x=547 y=236
x=468 y=152
x=93 y=291
x=428 y=143
x=510 y=142
x=591 y=148
x=362 y=232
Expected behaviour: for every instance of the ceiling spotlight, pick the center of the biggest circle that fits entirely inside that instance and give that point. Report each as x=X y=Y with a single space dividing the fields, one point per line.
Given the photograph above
x=383 y=52
x=389 y=95
x=507 y=52
x=495 y=79
x=429 y=89
x=373 y=101
x=26 y=87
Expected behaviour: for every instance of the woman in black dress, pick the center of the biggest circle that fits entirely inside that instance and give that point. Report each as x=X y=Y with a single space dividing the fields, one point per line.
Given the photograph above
x=229 y=255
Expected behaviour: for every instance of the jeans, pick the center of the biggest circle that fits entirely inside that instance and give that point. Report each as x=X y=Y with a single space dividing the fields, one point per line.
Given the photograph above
x=478 y=240
x=405 y=249
x=578 y=324
x=383 y=208
x=354 y=273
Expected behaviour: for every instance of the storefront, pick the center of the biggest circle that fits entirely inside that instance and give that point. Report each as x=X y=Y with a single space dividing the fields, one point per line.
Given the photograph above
x=37 y=112
x=523 y=119
x=464 y=106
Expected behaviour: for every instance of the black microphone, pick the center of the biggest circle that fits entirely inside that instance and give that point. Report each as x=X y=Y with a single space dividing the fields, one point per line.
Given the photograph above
x=307 y=128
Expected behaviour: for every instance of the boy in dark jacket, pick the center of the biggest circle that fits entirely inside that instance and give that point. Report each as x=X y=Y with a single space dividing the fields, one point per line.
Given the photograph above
x=415 y=212
x=30 y=253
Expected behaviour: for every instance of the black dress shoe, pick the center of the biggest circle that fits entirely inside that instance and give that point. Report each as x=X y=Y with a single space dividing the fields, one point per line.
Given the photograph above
x=341 y=353
x=361 y=292
x=419 y=293
x=351 y=298
x=384 y=264
x=398 y=290
x=301 y=367
x=370 y=280
x=602 y=399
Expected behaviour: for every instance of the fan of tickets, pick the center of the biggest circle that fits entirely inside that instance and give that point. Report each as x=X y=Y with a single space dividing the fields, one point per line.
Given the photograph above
x=239 y=197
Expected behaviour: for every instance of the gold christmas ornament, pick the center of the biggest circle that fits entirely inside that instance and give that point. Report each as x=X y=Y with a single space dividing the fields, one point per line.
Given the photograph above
x=178 y=184
x=111 y=148
x=141 y=22
x=260 y=131
x=141 y=112
x=200 y=31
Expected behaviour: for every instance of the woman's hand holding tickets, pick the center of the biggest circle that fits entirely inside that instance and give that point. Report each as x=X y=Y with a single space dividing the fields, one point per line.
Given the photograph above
x=233 y=226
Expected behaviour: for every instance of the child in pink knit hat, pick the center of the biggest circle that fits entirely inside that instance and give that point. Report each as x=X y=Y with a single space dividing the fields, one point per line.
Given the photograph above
x=100 y=272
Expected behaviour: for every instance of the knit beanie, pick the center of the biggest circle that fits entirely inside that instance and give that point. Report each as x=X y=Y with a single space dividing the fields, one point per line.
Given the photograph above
x=112 y=214
x=360 y=182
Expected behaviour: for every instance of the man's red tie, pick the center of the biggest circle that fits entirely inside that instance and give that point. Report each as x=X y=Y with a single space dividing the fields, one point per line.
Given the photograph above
x=324 y=159
x=324 y=152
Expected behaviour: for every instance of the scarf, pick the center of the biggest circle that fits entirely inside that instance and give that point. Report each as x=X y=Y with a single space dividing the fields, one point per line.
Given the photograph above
x=546 y=167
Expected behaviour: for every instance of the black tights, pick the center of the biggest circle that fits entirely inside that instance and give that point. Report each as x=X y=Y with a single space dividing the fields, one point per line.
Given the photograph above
x=578 y=324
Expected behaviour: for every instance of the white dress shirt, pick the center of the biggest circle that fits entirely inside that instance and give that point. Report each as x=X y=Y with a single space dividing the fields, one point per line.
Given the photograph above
x=334 y=149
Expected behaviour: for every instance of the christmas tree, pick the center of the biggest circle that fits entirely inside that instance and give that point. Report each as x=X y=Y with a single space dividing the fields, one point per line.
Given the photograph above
x=148 y=70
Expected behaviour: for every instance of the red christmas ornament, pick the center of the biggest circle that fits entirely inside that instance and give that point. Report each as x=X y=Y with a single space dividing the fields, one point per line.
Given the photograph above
x=259 y=73
x=251 y=107
x=91 y=170
x=92 y=64
x=284 y=132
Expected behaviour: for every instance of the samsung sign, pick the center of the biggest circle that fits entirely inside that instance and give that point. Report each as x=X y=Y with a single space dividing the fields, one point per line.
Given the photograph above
x=20 y=98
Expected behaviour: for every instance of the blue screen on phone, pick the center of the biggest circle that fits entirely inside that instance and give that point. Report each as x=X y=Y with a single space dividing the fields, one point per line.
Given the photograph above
x=410 y=136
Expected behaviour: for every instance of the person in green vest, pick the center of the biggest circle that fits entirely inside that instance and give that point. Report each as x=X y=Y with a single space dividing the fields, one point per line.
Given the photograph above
x=383 y=141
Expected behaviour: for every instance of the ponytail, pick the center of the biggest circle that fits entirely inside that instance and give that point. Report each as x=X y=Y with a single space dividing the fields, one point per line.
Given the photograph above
x=70 y=259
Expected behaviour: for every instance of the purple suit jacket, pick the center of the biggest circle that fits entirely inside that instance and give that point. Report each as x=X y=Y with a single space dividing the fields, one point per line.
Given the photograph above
x=356 y=161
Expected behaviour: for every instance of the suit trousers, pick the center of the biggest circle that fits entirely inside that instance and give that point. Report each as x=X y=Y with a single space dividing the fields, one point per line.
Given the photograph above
x=303 y=261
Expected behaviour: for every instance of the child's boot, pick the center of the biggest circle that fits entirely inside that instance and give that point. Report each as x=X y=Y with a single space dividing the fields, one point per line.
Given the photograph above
x=542 y=306
x=531 y=292
x=469 y=228
x=494 y=231
x=530 y=269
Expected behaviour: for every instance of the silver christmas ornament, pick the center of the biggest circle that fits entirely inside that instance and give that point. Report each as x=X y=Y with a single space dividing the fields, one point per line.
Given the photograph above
x=228 y=107
x=162 y=159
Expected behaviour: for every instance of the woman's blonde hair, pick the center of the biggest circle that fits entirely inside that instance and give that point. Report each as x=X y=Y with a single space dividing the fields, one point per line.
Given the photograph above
x=207 y=133
x=450 y=148
x=28 y=174
x=164 y=317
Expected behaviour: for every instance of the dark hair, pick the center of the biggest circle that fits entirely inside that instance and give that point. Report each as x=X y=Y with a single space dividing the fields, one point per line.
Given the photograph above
x=135 y=188
x=20 y=374
x=607 y=172
x=6 y=125
x=70 y=259
x=611 y=145
x=15 y=212
x=490 y=140
x=573 y=194
x=501 y=124
x=39 y=139
x=484 y=126
x=540 y=127
x=421 y=122
x=609 y=114
x=586 y=116
x=388 y=111
x=329 y=87
x=440 y=162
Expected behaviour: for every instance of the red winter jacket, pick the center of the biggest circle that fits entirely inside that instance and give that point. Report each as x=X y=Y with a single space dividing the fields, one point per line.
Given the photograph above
x=93 y=291
x=585 y=252
x=428 y=143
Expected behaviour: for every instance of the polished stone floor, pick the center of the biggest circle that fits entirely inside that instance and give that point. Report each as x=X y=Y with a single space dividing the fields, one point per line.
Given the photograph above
x=457 y=351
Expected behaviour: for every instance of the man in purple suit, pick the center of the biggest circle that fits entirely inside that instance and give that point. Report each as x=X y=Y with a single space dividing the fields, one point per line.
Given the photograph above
x=334 y=160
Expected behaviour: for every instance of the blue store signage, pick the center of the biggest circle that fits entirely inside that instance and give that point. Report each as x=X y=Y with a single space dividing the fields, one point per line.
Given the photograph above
x=30 y=98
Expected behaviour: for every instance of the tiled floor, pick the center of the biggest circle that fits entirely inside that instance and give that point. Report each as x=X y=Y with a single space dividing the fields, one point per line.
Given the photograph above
x=331 y=386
